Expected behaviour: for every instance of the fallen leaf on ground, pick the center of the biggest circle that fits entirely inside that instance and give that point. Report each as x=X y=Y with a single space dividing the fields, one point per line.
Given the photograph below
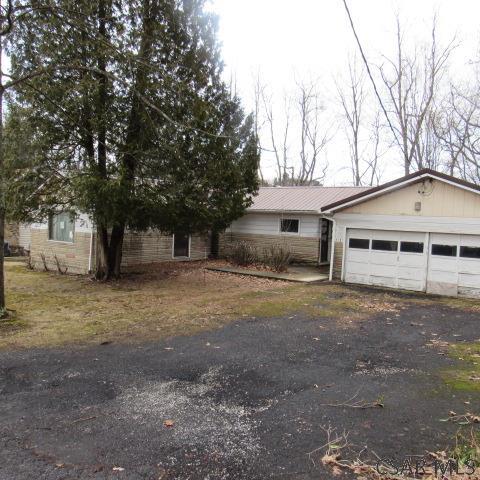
x=168 y=423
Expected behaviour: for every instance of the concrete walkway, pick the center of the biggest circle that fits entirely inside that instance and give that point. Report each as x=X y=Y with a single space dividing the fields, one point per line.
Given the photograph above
x=295 y=273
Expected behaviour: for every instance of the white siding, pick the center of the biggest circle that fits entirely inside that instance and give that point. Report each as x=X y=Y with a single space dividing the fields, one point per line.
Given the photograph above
x=269 y=224
x=24 y=236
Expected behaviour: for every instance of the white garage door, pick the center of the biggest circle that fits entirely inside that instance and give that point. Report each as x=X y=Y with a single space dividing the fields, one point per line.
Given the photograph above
x=385 y=258
x=454 y=265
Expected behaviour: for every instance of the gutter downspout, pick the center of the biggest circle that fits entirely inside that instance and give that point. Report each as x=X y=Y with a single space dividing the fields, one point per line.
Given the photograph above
x=90 y=255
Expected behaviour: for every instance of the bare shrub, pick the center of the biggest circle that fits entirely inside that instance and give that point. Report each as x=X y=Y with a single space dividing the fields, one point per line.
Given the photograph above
x=243 y=253
x=278 y=257
x=29 y=263
x=44 y=261
x=61 y=268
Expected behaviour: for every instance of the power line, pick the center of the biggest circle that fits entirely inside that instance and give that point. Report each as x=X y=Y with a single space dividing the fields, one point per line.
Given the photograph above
x=365 y=61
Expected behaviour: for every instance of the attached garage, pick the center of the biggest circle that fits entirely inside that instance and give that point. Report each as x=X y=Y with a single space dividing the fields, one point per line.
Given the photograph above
x=388 y=259
x=420 y=233
x=454 y=265
x=436 y=263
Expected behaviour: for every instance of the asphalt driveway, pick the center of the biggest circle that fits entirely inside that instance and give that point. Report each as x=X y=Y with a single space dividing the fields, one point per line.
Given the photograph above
x=247 y=401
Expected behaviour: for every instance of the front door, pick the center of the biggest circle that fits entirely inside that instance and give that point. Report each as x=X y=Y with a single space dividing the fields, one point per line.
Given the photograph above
x=181 y=245
x=325 y=239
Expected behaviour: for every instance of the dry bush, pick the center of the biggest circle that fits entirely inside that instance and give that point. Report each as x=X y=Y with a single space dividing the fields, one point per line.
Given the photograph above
x=278 y=257
x=61 y=268
x=243 y=253
x=44 y=261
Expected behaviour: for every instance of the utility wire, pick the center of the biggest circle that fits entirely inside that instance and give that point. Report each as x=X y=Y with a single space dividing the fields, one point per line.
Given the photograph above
x=365 y=61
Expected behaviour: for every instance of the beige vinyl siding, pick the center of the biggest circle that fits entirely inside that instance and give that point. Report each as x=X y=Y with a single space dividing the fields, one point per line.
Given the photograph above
x=155 y=247
x=263 y=230
x=440 y=200
x=11 y=234
x=74 y=255
x=138 y=248
x=337 y=261
x=304 y=249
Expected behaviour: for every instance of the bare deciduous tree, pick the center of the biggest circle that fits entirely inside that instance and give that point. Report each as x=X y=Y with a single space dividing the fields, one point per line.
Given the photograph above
x=363 y=134
x=352 y=99
x=411 y=82
x=299 y=122
x=258 y=94
x=313 y=138
x=457 y=128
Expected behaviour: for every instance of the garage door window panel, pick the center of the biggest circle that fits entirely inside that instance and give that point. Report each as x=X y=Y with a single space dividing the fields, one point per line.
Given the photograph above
x=385 y=245
x=411 y=247
x=444 y=250
x=470 y=252
x=360 y=243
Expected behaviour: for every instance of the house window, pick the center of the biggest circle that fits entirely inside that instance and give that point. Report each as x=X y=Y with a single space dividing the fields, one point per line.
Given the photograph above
x=444 y=250
x=181 y=245
x=61 y=227
x=289 y=225
x=470 y=252
x=362 y=243
x=385 y=245
x=411 y=247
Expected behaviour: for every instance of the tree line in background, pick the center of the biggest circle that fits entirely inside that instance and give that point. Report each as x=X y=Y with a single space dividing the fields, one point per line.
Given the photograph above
x=405 y=106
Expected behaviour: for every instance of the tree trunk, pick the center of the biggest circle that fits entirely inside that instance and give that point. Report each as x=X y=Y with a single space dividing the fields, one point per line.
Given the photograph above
x=2 y=192
x=109 y=252
x=101 y=253
x=115 y=251
x=2 y=278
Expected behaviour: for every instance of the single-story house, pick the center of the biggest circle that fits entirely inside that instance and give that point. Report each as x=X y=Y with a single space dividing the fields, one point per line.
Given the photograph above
x=420 y=232
x=71 y=242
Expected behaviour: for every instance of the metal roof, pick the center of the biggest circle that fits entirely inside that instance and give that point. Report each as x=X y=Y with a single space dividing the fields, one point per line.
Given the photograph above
x=300 y=199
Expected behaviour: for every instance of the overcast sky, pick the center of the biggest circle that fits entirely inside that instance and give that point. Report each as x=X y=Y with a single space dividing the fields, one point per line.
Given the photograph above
x=312 y=39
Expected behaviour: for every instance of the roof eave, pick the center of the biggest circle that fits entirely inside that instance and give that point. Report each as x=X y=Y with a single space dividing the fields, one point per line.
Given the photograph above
x=297 y=212
x=397 y=184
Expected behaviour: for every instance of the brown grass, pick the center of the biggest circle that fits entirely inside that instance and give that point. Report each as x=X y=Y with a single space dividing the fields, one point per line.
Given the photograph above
x=159 y=301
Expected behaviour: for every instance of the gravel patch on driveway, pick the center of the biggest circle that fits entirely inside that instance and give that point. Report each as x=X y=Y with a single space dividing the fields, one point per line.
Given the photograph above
x=224 y=429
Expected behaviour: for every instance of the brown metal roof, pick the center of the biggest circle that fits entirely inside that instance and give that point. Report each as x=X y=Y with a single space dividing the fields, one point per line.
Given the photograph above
x=300 y=199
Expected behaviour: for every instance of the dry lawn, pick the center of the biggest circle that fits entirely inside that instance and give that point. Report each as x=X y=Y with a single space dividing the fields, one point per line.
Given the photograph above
x=161 y=300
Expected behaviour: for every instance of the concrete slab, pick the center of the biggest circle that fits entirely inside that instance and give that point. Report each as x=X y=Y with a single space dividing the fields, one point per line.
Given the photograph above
x=295 y=273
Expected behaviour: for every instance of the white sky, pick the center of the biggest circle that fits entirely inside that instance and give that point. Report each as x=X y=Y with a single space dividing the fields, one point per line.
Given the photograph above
x=312 y=39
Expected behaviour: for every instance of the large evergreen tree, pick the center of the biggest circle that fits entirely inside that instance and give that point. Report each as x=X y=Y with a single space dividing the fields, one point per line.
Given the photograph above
x=130 y=118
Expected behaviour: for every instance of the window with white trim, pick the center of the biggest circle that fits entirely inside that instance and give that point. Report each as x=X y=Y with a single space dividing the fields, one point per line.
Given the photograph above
x=289 y=225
